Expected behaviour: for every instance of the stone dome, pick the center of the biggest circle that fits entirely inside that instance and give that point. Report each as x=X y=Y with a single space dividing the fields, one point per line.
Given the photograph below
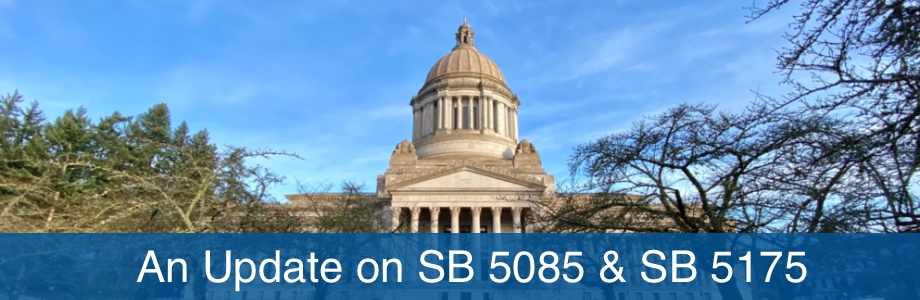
x=465 y=108
x=465 y=60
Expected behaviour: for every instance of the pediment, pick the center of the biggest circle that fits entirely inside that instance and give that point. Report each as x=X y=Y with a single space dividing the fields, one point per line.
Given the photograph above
x=467 y=178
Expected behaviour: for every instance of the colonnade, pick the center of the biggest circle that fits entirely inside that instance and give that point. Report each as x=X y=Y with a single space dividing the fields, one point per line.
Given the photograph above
x=482 y=113
x=435 y=212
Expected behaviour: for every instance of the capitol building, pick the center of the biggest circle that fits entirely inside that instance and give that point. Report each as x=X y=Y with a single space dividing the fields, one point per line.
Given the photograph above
x=465 y=170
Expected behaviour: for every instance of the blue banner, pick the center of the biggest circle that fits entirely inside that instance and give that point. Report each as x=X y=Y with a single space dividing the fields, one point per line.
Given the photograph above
x=459 y=266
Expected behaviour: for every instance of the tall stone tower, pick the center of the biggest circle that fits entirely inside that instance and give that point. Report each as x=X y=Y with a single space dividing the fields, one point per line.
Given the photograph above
x=464 y=155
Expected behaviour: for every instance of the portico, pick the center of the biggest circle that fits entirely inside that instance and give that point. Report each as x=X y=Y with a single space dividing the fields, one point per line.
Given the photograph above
x=459 y=219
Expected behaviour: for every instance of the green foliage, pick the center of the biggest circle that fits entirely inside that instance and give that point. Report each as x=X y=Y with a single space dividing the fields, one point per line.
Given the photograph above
x=347 y=211
x=125 y=174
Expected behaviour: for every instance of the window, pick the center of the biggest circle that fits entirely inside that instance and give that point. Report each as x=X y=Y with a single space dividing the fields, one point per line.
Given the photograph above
x=466 y=119
x=656 y=296
x=494 y=116
x=689 y=296
x=586 y=296
x=621 y=296
x=227 y=295
x=278 y=295
x=421 y=124
x=707 y=296
x=244 y=295
x=454 y=119
x=638 y=296
x=261 y=295
x=486 y=296
x=476 y=118
x=466 y=296
x=310 y=295
x=294 y=295
x=210 y=295
x=344 y=296
x=445 y=296
x=673 y=296
x=437 y=116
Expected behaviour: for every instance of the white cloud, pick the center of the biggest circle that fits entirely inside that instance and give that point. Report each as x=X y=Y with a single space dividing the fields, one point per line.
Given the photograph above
x=606 y=53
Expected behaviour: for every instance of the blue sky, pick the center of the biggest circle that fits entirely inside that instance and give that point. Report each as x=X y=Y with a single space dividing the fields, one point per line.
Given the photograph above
x=332 y=80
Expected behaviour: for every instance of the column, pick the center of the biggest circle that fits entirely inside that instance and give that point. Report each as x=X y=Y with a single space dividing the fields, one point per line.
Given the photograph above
x=477 y=211
x=440 y=112
x=431 y=118
x=497 y=219
x=507 y=113
x=514 y=123
x=510 y=122
x=446 y=110
x=435 y=213
x=415 y=211
x=454 y=219
x=507 y=116
x=421 y=121
x=482 y=113
x=498 y=115
x=516 y=219
x=485 y=113
x=429 y=112
x=427 y=120
x=395 y=211
x=504 y=118
x=450 y=113
x=481 y=108
x=414 y=123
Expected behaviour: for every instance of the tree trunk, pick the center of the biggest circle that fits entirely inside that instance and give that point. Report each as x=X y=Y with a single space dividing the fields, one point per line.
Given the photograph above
x=730 y=291
x=199 y=288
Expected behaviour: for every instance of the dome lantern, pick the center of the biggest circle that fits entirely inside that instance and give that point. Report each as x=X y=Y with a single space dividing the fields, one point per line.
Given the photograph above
x=464 y=34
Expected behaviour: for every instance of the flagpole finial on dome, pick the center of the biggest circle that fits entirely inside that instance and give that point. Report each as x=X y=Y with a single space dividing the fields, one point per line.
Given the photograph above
x=464 y=18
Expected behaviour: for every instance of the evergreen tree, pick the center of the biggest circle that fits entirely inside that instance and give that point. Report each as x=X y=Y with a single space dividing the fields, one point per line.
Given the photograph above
x=126 y=174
